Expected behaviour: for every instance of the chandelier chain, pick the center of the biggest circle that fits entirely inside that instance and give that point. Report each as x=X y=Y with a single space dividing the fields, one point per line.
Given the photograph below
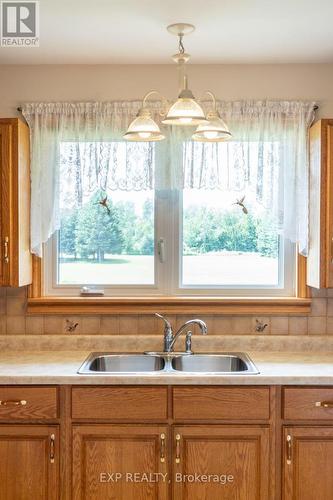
x=181 y=45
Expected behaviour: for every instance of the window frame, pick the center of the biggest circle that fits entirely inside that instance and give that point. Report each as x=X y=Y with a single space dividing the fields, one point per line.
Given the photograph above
x=168 y=216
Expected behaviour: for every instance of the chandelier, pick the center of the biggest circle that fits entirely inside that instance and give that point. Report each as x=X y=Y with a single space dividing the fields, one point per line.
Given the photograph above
x=185 y=111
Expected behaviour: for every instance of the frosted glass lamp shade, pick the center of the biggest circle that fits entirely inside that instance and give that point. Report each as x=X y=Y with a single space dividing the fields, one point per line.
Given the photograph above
x=185 y=111
x=143 y=128
x=214 y=130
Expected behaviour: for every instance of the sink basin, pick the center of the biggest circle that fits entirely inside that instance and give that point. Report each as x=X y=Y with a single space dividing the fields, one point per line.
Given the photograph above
x=214 y=363
x=121 y=363
x=111 y=363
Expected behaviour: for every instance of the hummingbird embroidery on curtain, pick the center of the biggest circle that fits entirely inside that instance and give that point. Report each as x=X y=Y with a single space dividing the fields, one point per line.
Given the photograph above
x=240 y=203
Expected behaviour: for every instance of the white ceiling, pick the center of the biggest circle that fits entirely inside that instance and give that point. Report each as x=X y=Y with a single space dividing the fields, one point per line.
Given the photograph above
x=133 y=32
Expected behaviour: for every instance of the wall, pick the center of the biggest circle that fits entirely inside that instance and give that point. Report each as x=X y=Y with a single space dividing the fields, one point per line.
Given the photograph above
x=20 y=84
x=13 y=320
x=52 y=82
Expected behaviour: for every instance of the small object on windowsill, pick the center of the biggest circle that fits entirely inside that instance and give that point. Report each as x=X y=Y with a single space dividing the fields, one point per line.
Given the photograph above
x=91 y=292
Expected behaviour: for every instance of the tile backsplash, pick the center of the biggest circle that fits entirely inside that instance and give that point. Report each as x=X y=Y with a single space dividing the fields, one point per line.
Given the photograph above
x=14 y=321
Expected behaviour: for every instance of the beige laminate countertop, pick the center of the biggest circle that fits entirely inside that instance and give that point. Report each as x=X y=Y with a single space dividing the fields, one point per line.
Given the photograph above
x=60 y=367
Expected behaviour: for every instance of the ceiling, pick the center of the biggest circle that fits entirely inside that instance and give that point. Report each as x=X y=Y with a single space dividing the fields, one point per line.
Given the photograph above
x=133 y=32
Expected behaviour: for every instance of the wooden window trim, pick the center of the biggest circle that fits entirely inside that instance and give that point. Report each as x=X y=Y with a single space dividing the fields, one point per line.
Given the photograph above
x=299 y=305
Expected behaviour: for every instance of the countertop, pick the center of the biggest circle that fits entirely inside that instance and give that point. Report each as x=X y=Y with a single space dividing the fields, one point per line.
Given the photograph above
x=60 y=367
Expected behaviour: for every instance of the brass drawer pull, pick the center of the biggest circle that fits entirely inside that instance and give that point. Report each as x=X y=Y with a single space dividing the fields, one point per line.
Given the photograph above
x=52 y=448
x=162 y=452
x=289 y=449
x=6 y=253
x=324 y=404
x=177 y=448
x=13 y=402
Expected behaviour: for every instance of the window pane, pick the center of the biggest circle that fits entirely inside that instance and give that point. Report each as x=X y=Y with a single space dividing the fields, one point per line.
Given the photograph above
x=228 y=241
x=109 y=240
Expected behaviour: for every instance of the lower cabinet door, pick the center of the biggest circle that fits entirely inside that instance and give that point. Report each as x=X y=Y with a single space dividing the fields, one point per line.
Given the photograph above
x=120 y=462
x=308 y=463
x=29 y=462
x=221 y=462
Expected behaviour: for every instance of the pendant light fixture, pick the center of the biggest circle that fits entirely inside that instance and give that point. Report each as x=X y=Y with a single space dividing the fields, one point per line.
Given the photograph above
x=186 y=111
x=214 y=129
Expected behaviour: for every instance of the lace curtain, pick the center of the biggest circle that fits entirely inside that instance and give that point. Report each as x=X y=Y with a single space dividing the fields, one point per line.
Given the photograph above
x=81 y=145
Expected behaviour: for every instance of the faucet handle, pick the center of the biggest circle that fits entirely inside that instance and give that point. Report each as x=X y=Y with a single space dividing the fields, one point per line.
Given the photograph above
x=166 y=321
x=188 y=343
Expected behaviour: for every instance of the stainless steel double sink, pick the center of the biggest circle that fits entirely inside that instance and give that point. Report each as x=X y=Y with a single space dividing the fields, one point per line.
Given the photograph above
x=224 y=363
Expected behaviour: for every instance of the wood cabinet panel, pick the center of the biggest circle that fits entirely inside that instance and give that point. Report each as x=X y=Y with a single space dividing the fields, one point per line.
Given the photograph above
x=221 y=463
x=15 y=258
x=102 y=451
x=307 y=464
x=319 y=261
x=115 y=403
x=27 y=470
x=213 y=403
x=303 y=403
x=28 y=402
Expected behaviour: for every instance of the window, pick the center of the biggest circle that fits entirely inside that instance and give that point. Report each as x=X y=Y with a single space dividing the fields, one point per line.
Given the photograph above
x=167 y=242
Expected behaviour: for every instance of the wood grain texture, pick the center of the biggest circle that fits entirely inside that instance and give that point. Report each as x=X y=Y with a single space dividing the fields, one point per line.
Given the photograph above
x=25 y=469
x=103 y=449
x=15 y=202
x=214 y=403
x=41 y=403
x=319 y=262
x=241 y=452
x=309 y=475
x=300 y=403
x=168 y=305
x=119 y=403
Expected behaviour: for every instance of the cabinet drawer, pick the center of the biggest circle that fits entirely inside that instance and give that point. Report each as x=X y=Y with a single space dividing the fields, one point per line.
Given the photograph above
x=28 y=403
x=308 y=403
x=214 y=403
x=126 y=403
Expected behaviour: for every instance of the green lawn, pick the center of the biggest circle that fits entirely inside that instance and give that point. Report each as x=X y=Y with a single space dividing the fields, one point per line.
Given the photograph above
x=227 y=268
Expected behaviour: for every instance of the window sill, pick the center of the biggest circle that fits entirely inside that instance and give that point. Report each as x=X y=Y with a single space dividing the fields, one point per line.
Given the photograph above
x=171 y=305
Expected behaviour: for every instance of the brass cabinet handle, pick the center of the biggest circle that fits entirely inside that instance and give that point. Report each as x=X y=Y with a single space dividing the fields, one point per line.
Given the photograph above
x=162 y=449
x=324 y=404
x=6 y=254
x=289 y=449
x=177 y=448
x=52 y=448
x=13 y=402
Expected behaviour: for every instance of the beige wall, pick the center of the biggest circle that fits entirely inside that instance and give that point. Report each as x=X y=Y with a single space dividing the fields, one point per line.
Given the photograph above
x=19 y=84
x=84 y=82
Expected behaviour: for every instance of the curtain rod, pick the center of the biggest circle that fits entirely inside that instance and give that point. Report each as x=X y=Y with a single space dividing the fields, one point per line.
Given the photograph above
x=315 y=108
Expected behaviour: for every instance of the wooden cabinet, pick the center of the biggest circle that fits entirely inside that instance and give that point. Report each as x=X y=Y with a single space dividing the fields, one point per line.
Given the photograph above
x=221 y=462
x=166 y=443
x=132 y=403
x=29 y=462
x=120 y=462
x=220 y=403
x=15 y=258
x=307 y=464
x=320 y=258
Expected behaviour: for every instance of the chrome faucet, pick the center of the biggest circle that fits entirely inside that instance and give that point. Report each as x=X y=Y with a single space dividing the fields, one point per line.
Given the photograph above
x=170 y=338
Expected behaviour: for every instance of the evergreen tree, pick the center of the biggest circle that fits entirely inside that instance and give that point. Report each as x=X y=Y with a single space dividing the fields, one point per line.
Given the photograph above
x=98 y=229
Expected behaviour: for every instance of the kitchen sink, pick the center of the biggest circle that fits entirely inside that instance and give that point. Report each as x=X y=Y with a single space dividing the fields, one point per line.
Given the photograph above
x=121 y=363
x=224 y=363
x=214 y=363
